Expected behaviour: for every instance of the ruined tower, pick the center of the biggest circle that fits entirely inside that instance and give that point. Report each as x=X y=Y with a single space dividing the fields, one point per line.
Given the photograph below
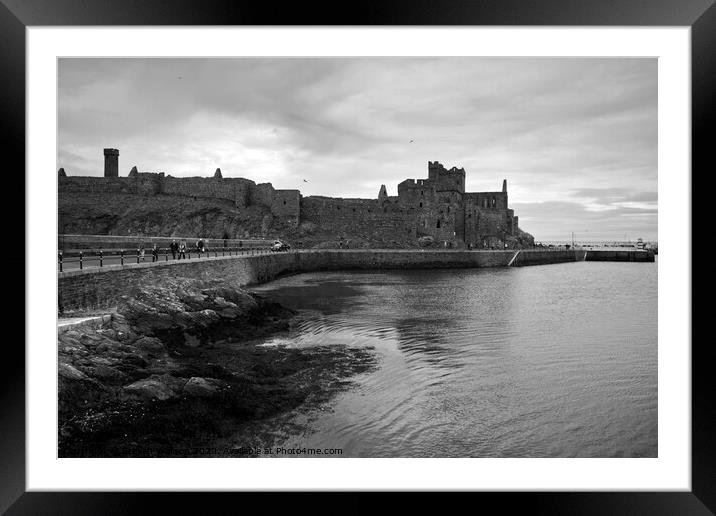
x=383 y=193
x=111 y=163
x=61 y=173
x=504 y=186
x=134 y=172
x=217 y=174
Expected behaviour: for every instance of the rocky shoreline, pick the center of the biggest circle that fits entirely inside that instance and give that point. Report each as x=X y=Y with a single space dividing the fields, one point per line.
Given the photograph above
x=180 y=367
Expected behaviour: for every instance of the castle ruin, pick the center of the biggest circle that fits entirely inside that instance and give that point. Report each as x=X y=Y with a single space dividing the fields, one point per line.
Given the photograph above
x=436 y=207
x=111 y=163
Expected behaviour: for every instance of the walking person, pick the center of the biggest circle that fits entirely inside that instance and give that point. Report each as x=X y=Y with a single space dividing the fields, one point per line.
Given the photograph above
x=141 y=252
x=182 y=250
x=155 y=253
x=174 y=247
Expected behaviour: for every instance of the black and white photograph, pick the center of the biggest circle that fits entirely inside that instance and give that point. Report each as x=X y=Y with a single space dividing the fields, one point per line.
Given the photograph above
x=421 y=237
x=357 y=257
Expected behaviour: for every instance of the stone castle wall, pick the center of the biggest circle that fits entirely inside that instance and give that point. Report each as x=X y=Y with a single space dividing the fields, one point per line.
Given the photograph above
x=359 y=217
x=419 y=210
x=286 y=204
x=437 y=206
x=242 y=192
x=234 y=190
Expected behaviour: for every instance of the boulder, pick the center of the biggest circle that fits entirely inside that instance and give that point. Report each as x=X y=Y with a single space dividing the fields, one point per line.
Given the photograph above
x=73 y=334
x=107 y=347
x=71 y=345
x=202 y=319
x=200 y=387
x=226 y=309
x=156 y=387
x=150 y=345
x=239 y=298
x=70 y=373
x=108 y=333
x=109 y=374
x=194 y=300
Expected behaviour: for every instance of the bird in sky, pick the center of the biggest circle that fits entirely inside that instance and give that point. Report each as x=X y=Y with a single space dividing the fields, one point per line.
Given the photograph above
x=411 y=141
x=305 y=181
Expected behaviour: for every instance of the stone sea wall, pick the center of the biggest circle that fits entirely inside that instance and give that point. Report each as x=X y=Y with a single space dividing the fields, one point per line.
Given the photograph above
x=102 y=288
x=619 y=256
x=524 y=258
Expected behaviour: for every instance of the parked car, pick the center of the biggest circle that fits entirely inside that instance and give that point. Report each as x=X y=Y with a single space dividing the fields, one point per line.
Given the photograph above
x=279 y=246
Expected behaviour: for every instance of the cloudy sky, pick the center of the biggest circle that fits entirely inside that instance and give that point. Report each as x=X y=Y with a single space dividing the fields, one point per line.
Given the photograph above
x=576 y=139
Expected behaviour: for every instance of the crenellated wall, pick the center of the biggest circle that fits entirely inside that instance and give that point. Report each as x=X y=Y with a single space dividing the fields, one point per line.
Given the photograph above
x=93 y=185
x=242 y=192
x=437 y=206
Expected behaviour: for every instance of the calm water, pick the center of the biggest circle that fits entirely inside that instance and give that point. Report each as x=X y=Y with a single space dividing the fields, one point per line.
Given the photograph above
x=545 y=361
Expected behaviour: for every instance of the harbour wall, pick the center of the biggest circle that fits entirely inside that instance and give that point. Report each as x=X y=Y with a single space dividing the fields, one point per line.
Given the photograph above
x=101 y=288
x=619 y=256
x=524 y=258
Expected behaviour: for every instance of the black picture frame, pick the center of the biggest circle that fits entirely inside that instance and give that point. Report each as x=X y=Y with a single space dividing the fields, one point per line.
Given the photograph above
x=16 y=15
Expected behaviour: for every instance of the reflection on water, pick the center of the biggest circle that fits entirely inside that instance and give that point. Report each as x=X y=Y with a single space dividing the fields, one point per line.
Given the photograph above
x=547 y=361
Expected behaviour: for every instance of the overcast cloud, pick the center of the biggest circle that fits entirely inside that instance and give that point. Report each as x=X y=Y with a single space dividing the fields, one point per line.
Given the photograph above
x=576 y=139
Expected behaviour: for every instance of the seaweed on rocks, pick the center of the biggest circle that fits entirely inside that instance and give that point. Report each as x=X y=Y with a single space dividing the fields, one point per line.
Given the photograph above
x=180 y=365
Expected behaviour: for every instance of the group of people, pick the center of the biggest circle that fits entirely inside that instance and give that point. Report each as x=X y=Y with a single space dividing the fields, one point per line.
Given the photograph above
x=155 y=252
x=178 y=250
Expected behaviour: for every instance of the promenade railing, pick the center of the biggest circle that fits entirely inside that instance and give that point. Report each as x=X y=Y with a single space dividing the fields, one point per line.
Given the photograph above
x=81 y=259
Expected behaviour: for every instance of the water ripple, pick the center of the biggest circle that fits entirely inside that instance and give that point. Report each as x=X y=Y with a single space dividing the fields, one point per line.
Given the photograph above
x=549 y=361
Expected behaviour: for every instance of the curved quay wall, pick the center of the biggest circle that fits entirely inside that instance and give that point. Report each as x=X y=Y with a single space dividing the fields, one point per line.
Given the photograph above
x=101 y=288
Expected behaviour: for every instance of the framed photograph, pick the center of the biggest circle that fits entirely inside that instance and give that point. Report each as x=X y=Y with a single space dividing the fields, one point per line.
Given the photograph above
x=412 y=249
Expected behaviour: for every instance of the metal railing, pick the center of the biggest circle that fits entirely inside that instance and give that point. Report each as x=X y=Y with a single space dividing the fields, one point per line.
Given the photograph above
x=117 y=242
x=82 y=259
x=101 y=258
